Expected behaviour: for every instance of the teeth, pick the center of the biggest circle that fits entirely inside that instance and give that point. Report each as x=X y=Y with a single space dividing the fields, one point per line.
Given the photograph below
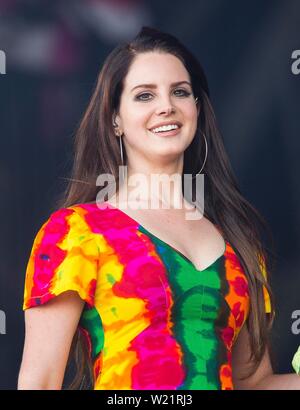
x=166 y=128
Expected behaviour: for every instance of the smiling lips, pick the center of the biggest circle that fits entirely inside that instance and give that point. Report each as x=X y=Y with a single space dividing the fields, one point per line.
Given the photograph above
x=170 y=128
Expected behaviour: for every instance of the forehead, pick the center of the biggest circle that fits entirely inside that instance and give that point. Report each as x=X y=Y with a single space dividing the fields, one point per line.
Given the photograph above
x=155 y=67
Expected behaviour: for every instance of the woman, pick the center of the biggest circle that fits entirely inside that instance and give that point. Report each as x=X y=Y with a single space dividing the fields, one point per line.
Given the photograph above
x=147 y=298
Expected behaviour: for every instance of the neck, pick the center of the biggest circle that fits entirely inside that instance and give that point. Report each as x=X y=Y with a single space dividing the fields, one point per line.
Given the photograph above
x=157 y=189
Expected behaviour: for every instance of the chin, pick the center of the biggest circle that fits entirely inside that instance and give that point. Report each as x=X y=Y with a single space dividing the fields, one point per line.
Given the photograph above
x=169 y=151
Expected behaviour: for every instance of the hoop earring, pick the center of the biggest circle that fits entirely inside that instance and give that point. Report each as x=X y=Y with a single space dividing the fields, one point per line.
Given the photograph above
x=115 y=125
x=206 y=152
x=121 y=149
x=122 y=158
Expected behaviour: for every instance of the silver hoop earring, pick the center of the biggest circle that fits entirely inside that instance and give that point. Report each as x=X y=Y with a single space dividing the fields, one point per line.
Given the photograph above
x=122 y=158
x=206 y=152
x=121 y=149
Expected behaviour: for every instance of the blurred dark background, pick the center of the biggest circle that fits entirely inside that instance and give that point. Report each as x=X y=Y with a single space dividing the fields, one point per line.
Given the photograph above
x=54 y=50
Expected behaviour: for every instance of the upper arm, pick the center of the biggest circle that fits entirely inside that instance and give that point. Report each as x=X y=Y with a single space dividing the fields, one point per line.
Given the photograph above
x=49 y=330
x=61 y=275
x=241 y=365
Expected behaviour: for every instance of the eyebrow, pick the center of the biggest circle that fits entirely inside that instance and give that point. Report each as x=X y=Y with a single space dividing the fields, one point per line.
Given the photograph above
x=154 y=86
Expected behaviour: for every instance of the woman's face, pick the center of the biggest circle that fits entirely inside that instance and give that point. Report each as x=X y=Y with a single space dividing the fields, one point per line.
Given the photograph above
x=167 y=99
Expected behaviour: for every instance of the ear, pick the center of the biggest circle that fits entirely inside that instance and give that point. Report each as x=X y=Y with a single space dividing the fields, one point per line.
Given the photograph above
x=117 y=123
x=197 y=105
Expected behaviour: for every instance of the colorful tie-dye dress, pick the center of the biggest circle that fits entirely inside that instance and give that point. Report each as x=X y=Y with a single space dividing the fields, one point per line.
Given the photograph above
x=151 y=320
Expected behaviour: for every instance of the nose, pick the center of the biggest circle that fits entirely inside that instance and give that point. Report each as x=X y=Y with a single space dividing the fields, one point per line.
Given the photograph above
x=167 y=111
x=165 y=108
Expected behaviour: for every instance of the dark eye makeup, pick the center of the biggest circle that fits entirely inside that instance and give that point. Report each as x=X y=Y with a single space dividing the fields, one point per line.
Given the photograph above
x=183 y=93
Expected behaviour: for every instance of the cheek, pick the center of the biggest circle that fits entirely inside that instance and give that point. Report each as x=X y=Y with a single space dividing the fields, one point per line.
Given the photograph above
x=135 y=122
x=192 y=118
x=136 y=119
x=192 y=121
x=188 y=109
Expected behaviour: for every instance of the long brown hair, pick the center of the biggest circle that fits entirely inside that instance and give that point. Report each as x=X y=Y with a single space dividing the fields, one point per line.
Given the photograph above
x=97 y=151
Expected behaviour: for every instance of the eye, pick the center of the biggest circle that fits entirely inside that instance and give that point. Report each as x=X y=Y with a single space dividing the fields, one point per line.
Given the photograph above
x=139 y=97
x=182 y=93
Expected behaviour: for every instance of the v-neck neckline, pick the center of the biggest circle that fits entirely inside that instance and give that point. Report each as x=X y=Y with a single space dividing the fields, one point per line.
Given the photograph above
x=182 y=255
x=178 y=252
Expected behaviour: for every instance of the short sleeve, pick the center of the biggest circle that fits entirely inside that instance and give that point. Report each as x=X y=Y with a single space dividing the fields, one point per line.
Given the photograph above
x=64 y=256
x=265 y=291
